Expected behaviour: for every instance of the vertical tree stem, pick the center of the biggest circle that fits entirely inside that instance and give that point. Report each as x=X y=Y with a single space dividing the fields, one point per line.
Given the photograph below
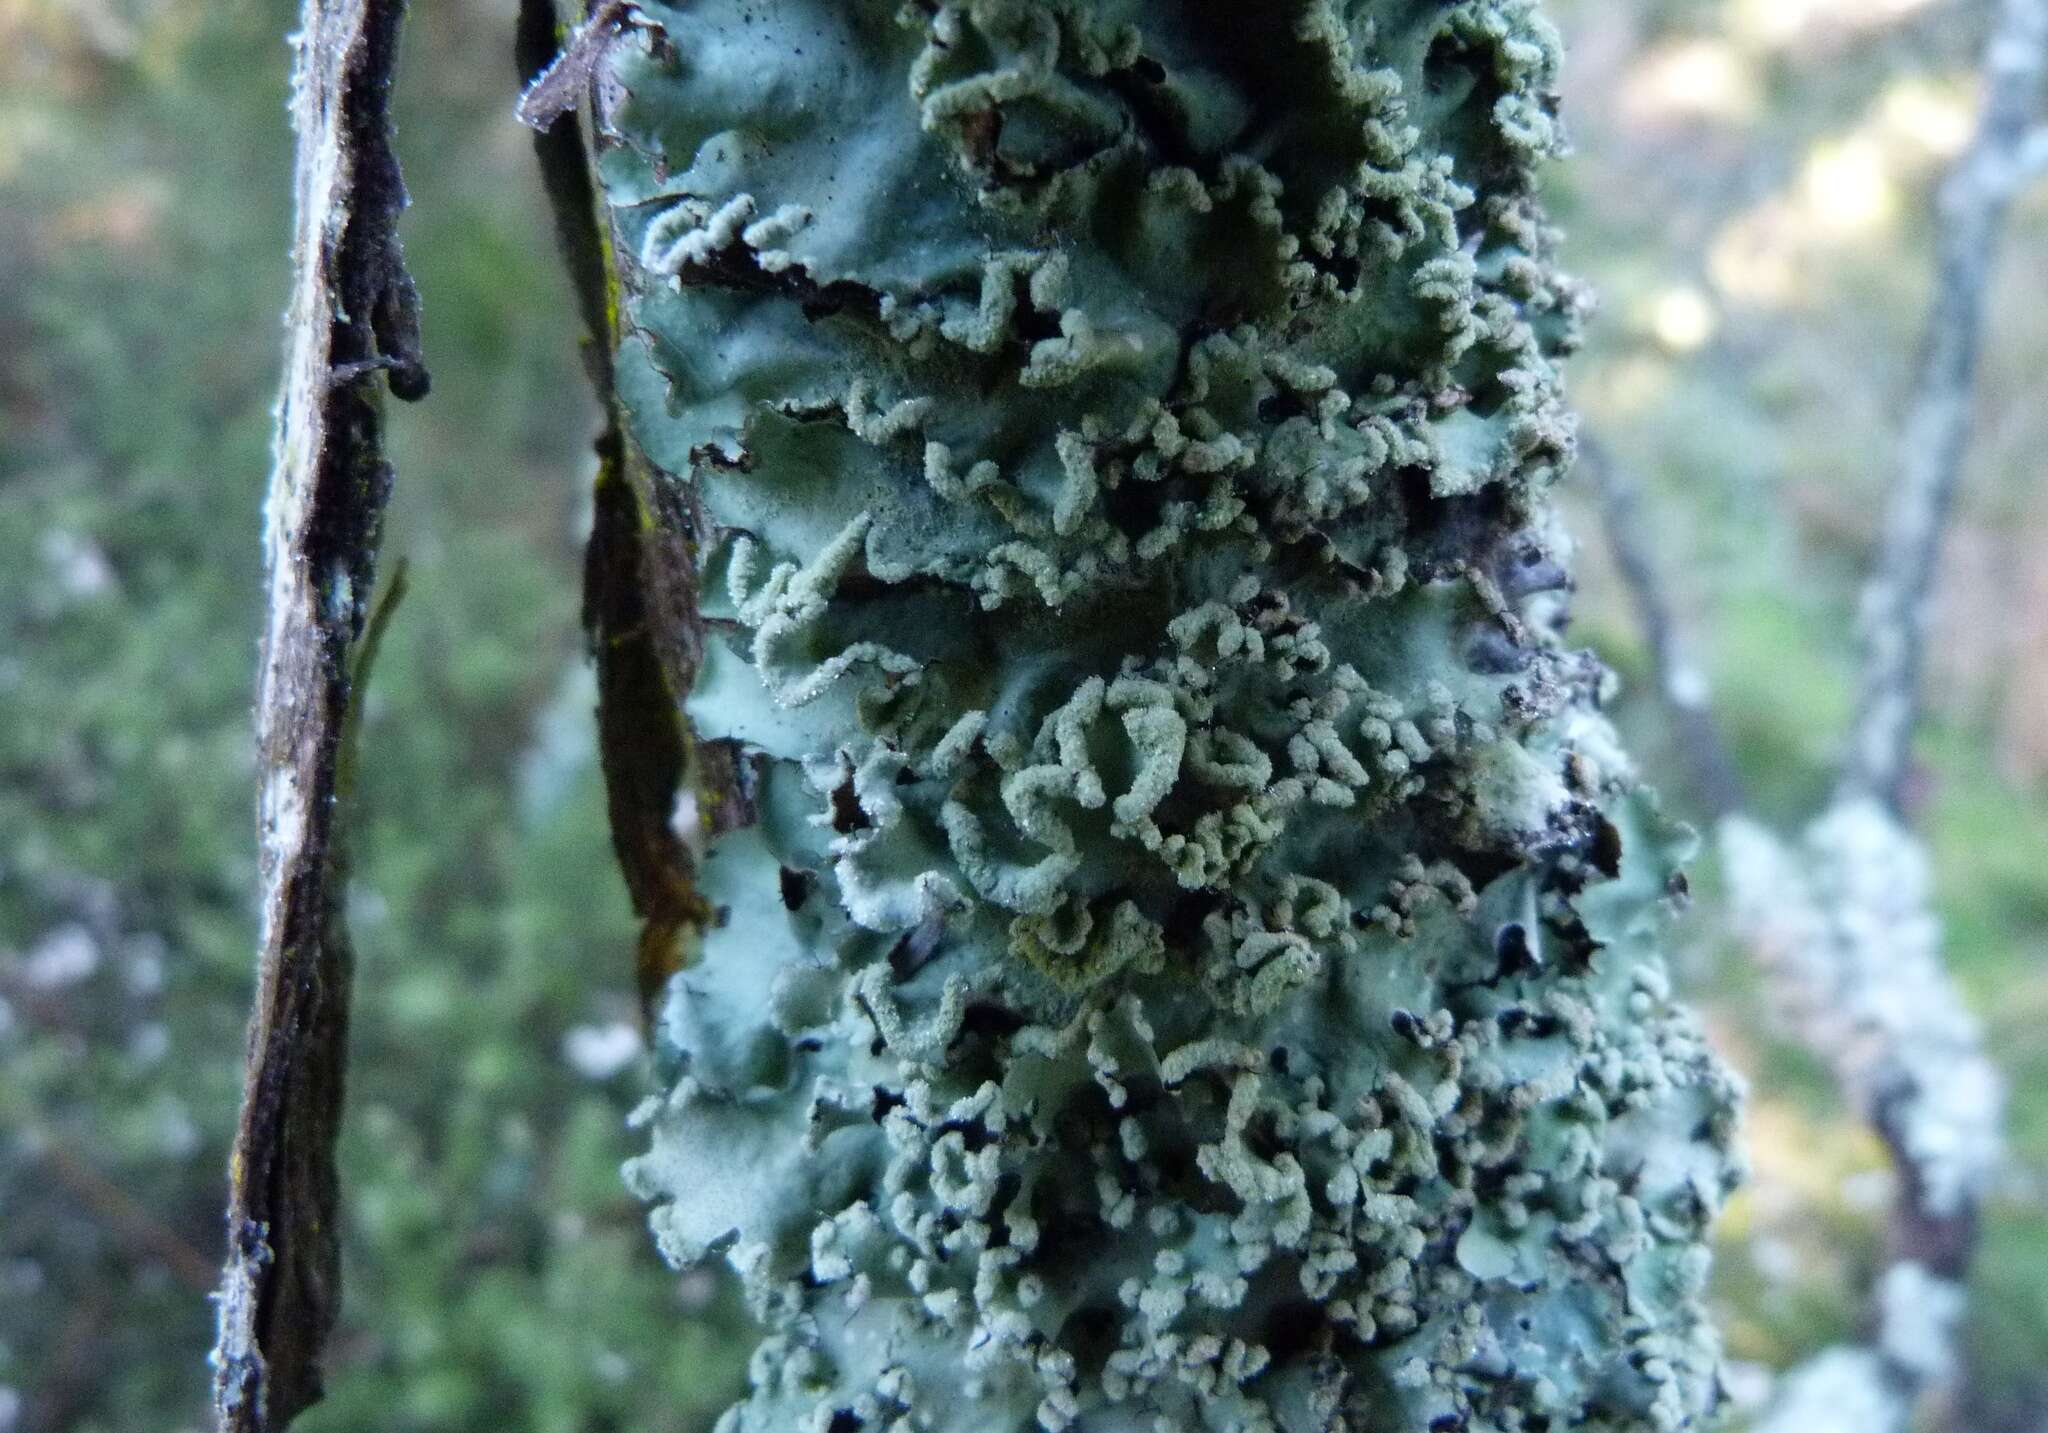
x=353 y=313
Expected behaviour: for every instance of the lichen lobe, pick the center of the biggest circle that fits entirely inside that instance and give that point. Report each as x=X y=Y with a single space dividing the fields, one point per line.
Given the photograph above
x=1195 y=962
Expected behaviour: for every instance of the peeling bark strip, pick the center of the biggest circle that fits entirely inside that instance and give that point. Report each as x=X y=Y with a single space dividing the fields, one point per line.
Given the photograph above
x=353 y=312
x=1187 y=954
x=639 y=617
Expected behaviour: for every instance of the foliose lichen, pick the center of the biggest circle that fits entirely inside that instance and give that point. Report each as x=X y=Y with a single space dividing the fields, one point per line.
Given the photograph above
x=1187 y=957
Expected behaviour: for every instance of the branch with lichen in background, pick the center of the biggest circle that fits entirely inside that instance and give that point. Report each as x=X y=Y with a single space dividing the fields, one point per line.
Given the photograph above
x=1842 y=919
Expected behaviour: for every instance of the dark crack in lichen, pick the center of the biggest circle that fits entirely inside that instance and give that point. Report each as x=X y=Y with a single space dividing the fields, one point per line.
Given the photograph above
x=1192 y=959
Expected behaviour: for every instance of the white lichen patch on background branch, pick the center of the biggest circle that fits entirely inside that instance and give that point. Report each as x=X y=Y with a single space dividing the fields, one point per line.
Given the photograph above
x=2033 y=155
x=1845 y=922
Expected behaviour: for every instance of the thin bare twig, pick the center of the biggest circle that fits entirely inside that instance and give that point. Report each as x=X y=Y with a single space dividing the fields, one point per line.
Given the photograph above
x=1681 y=681
x=353 y=313
x=130 y=1220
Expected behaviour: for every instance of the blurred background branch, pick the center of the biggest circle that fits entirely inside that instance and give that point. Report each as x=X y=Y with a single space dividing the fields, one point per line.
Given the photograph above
x=1843 y=920
x=1681 y=681
x=1971 y=211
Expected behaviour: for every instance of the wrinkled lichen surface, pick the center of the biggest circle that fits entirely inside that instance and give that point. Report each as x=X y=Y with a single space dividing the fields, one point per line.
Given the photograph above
x=1185 y=943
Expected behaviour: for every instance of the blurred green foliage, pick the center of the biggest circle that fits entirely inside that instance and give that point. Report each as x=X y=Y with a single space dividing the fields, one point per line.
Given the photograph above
x=1748 y=200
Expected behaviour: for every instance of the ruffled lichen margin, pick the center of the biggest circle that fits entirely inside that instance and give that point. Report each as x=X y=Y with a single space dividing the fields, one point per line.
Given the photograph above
x=1170 y=941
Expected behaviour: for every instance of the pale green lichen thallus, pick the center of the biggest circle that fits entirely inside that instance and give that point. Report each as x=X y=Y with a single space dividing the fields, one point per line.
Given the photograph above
x=1191 y=961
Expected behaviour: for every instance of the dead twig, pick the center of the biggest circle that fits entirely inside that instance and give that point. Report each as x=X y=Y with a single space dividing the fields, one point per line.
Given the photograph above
x=1681 y=682
x=354 y=313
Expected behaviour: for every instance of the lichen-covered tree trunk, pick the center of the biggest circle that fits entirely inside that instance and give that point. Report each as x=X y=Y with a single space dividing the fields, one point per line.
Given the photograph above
x=1167 y=939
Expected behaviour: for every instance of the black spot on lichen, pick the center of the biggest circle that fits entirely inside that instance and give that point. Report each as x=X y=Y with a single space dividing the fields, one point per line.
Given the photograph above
x=1605 y=849
x=847 y=815
x=990 y=1022
x=1511 y=945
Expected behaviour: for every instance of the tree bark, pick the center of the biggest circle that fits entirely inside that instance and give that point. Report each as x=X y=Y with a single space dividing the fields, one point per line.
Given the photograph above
x=353 y=315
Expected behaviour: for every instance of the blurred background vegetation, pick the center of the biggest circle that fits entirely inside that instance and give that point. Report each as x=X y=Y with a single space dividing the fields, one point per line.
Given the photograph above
x=1750 y=199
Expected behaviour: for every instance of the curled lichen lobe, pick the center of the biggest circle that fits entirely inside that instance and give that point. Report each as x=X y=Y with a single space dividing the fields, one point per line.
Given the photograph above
x=1194 y=964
